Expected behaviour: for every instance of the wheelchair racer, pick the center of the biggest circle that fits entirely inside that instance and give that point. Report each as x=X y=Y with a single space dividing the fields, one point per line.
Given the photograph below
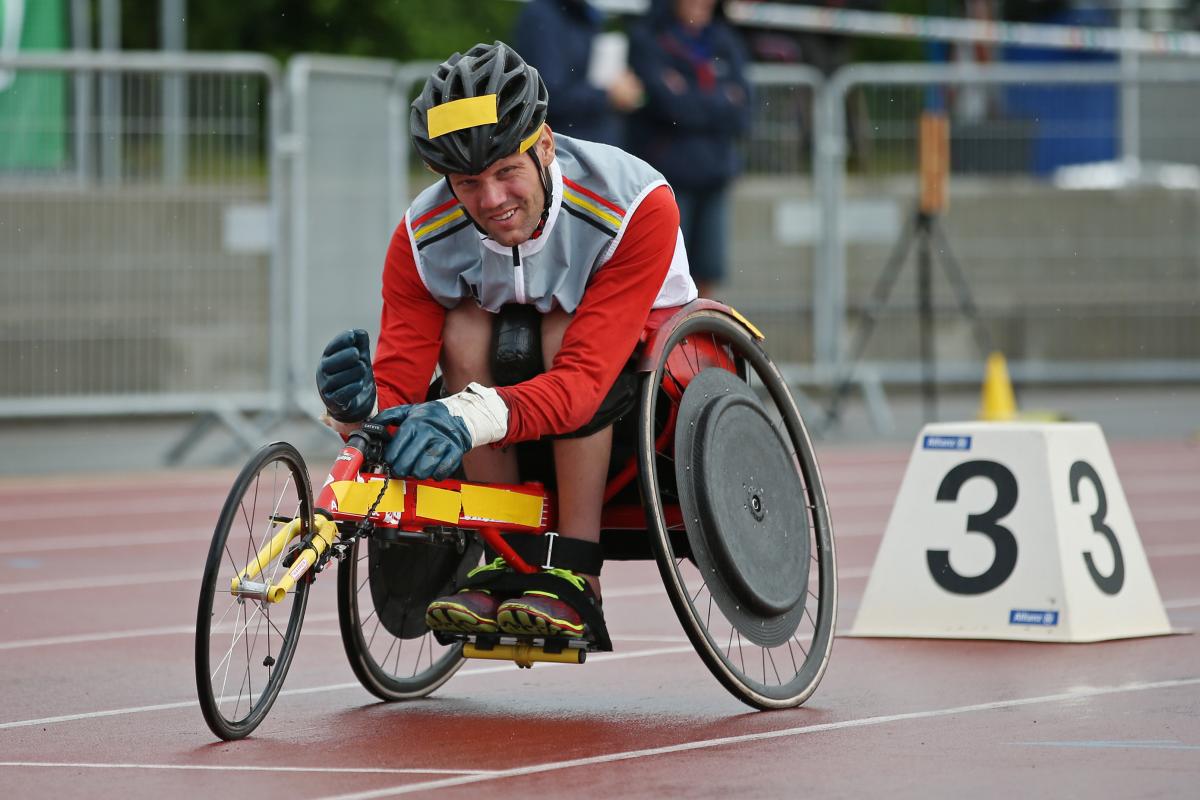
x=585 y=234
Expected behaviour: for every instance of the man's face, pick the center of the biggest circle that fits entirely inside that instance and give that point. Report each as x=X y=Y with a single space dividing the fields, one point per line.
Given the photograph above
x=695 y=13
x=507 y=198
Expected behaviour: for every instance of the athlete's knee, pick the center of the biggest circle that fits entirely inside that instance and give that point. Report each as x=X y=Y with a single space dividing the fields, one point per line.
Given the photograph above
x=466 y=344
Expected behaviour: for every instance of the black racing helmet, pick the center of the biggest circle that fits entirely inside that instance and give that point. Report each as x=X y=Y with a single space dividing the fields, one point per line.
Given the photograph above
x=478 y=108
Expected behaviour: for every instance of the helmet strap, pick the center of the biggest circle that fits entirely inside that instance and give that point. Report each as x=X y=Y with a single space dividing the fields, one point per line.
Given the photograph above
x=547 y=193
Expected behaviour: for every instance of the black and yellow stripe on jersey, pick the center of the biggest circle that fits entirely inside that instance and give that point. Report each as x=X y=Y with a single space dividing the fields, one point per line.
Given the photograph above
x=437 y=224
x=590 y=207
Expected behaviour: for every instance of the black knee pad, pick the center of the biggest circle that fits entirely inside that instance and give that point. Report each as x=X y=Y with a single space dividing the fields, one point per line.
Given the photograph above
x=517 y=357
x=516 y=344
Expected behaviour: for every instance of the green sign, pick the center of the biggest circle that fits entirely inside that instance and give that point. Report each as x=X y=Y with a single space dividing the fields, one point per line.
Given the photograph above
x=33 y=105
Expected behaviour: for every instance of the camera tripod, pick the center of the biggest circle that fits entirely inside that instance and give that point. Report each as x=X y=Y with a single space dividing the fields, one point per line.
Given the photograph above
x=924 y=231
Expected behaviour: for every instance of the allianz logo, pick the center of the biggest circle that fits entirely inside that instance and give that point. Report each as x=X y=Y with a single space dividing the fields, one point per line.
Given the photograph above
x=939 y=442
x=11 y=23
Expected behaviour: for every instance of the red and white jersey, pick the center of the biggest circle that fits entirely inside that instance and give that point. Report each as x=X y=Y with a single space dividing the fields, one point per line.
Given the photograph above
x=610 y=252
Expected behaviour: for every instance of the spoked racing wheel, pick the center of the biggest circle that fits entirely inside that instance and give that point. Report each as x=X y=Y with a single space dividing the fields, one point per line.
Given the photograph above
x=737 y=512
x=244 y=643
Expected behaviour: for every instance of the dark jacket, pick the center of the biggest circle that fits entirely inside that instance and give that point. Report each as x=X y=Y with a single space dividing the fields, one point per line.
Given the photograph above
x=689 y=136
x=555 y=36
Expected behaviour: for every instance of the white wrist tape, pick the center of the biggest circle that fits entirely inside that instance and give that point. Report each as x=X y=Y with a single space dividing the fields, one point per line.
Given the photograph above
x=484 y=413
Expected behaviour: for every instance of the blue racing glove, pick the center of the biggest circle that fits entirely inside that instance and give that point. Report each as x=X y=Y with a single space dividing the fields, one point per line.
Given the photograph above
x=430 y=443
x=345 y=379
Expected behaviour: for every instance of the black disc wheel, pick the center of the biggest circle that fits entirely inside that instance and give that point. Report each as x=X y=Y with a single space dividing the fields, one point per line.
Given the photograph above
x=244 y=643
x=383 y=589
x=739 y=519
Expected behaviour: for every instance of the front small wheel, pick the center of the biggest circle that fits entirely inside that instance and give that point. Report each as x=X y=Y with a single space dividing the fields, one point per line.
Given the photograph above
x=245 y=644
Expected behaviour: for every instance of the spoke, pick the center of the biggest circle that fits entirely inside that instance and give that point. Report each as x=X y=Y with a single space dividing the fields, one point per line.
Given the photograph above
x=421 y=652
x=227 y=660
x=237 y=634
x=279 y=494
x=232 y=562
x=792 y=653
x=383 y=661
x=741 y=650
x=374 y=630
x=800 y=644
x=729 y=646
x=274 y=627
x=773 y=667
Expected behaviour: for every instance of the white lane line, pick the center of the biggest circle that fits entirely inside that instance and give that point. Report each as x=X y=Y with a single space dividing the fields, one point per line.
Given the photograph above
x=703 y=744
x=236 y=768
x=1185 y=602
x=101 y=582
x=102 y=540
x=82 y=638
x=336 y=687
x=117 y=507
x=135 y=633
x=1156 y=745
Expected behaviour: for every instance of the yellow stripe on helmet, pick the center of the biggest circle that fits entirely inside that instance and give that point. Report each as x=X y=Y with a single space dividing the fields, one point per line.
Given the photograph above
x=468 y=112
x=533 y=137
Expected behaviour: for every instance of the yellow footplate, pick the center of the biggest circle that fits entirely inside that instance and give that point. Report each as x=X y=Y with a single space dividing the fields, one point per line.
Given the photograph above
x=525 y=654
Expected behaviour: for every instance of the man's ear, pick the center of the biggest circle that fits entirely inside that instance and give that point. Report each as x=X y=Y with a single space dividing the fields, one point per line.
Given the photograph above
x=545 y=146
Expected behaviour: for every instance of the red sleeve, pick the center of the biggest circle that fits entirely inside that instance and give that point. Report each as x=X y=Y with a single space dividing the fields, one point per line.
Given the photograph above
x=410 y=331
x=604 y=331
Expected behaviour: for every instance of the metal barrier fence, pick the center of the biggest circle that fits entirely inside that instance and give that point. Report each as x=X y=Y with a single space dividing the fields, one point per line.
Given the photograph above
x=157 y=256
x=139 y=232
x=349 y=168
x=775 y=235
x=1084 y=264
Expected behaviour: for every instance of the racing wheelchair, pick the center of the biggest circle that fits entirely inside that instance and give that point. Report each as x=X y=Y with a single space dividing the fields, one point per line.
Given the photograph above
x=714 y=477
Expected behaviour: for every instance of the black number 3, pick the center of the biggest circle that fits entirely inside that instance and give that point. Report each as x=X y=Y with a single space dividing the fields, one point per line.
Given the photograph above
x=1109 y=584
x=1005 y=560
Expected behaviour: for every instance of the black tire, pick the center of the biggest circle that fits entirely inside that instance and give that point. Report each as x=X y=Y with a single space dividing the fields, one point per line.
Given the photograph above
x=240 y=640
x=383 y=590
x=766 y=677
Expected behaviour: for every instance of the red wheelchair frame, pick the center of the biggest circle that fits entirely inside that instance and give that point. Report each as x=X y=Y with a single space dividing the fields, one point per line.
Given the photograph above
x=354 y=508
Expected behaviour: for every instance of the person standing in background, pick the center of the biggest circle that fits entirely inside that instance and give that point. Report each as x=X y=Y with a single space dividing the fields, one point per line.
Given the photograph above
x=692 y=65
x=557 y=38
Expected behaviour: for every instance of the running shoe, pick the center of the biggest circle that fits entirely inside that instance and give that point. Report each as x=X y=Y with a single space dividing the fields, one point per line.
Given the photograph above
x=468 y=610
x=541 y=613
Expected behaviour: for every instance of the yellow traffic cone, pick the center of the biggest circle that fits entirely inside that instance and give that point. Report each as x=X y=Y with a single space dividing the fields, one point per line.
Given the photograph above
x=997 y=404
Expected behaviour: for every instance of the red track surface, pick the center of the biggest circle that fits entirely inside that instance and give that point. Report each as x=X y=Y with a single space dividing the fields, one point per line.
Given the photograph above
x=98 y=585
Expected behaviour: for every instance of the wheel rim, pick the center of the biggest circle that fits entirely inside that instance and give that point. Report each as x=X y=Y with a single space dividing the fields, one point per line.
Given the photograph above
x=763 y=676
x=390 y=667
x=244 y=645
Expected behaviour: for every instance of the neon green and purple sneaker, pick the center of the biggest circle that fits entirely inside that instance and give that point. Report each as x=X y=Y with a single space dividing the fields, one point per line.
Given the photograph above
x=542 y=613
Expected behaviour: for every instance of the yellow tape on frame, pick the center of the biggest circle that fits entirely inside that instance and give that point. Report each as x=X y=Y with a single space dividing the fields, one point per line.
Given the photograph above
x=356 y=498
x=442 y=505
x=458 y=114
x=501 y=505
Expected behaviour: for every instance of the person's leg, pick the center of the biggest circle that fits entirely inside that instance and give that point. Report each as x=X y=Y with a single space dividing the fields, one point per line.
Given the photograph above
x=466 y=357
x=708 y=242
x=580 y=465
x=581 y=470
